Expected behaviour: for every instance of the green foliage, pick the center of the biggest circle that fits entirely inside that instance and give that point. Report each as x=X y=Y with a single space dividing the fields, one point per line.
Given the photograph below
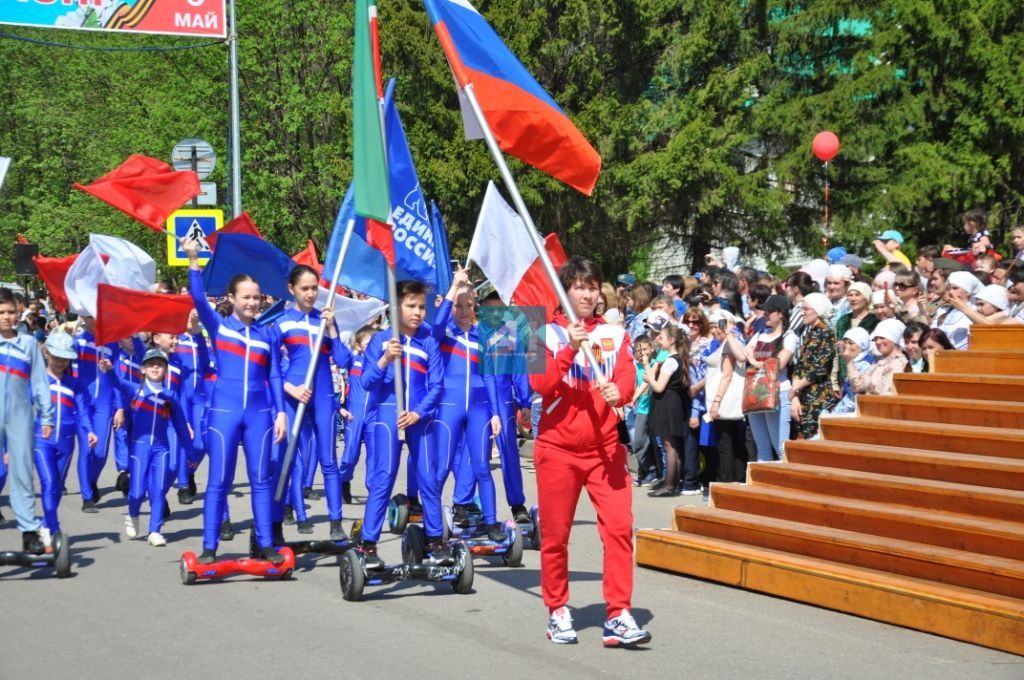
x=702 y=112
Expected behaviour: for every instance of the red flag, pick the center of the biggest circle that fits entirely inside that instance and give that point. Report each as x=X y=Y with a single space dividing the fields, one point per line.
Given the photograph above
x=53 y=271
x=534 y=289
x=308 y=257
x=242 y=224
x=146 y=189
x=22 y=240
x=123 y=311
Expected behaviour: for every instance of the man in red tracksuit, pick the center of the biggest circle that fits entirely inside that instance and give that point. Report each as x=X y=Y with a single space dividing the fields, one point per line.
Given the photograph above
x=578 y=446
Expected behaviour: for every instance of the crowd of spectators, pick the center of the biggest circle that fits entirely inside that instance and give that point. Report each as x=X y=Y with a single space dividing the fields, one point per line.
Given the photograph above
x=812 y=341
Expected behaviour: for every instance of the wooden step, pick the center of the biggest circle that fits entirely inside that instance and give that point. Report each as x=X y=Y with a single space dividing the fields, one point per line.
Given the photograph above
x=979 y=362
x=1006 y=414
x=998 y=473
x=981 y=441
x=933 y=527
x=965 y=387
x=988 y=573
x=997 y=337
x=977 y=501
x=958 y=613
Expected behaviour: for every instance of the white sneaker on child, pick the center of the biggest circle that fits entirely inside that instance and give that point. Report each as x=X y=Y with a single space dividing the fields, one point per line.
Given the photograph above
x=46 y=537
x=156 y=539
x=560 y=630
x=131 y=526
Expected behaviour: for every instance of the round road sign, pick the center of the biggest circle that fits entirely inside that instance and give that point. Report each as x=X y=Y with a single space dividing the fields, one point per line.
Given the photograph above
x=201 y=152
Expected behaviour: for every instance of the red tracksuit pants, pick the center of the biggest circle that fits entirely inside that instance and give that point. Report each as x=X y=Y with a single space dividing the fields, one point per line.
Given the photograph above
x=561 y=475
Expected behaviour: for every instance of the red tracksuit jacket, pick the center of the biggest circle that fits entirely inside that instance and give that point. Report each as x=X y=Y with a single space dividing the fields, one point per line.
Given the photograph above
x=574 y=416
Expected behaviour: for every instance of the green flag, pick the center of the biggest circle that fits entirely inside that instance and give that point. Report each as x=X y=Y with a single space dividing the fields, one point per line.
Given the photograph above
x=371 y=172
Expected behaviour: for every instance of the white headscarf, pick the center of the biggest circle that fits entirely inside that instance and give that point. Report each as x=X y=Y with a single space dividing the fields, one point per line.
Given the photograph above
x=862 y=288
x=820 y=304
x=890 y=329
x=840 y=272
x=967 y=281
x=995 y=295
x=861 y=338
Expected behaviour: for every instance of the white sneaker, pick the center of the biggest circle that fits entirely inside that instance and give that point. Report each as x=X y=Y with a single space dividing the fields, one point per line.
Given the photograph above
x=622 y=631
x=156 y=539
x=560 y=630
x=131 y=526
x=45 y=537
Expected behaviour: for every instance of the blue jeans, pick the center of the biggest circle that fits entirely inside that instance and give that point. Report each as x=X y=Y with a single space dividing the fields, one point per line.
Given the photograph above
x=771 y=429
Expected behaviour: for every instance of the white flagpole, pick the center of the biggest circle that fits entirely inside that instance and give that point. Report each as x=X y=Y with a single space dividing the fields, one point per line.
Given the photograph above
x=300 y=412
x=531 y=229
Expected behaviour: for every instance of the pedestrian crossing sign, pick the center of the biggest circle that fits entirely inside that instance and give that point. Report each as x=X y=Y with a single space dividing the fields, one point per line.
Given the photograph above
x=197 y=224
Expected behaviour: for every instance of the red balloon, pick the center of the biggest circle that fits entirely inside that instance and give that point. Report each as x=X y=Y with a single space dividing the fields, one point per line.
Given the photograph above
x=825 y=146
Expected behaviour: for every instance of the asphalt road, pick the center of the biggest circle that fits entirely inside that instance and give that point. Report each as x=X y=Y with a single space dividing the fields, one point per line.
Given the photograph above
x=125 y=614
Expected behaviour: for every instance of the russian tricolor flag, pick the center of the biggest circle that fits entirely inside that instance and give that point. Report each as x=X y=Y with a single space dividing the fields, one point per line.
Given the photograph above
x=525 y=120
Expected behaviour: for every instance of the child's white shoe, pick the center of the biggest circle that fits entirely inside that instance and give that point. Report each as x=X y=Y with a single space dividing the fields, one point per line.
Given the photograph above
x=131 y=526
x=156 y=539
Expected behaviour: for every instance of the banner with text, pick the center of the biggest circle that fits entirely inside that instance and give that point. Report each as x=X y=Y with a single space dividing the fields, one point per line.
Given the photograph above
x=168 y=17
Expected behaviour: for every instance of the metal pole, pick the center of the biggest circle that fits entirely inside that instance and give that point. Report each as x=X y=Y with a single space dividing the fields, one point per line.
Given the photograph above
x=300 y=412
x=531 y=229
x=236 y=143
x=396 y=334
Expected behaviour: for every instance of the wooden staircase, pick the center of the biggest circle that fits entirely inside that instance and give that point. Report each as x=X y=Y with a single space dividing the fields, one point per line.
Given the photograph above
x=911 y=513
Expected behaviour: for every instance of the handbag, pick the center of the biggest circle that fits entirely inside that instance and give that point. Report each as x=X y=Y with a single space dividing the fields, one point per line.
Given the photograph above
x=761 y=388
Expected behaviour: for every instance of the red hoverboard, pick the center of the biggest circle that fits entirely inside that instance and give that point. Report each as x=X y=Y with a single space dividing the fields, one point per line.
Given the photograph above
x=192 y=570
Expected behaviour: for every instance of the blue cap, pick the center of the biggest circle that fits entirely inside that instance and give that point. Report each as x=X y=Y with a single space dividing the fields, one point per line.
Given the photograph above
x=626 y=279
x=833 y=256
x=891 y=235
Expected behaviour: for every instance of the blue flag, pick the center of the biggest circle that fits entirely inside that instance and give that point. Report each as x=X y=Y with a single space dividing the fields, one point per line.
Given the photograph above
x=248 y=254
x=442 y=256
x=416 y=257
x=414 y=239
x=364 y=269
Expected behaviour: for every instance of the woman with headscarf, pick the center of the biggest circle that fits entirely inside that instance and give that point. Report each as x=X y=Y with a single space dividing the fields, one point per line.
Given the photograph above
x=990 y=305
x=878 y=379
x=814 y=388
x=854 y=347
x=860 y=316
x=961 y=287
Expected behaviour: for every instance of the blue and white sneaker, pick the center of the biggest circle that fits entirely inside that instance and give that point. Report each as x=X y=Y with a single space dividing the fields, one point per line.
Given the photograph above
x=622 y=631
x=560 y=630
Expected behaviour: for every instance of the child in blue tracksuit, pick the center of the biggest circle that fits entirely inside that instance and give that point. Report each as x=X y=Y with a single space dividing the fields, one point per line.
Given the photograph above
x=129 y=367
x=512 y=391
x=193 y=356
x=106 y=401
x=246 y=404
x=468 y=410
x=354 y=413
x=421 y=375
x=24 y=398
x=72 y=410
x=152 y=409
x=298 y=328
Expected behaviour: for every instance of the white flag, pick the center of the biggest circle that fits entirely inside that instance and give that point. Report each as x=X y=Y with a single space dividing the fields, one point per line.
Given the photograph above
x=351 y=314
x=4 y=164
x=127 y=266
x=501 y=245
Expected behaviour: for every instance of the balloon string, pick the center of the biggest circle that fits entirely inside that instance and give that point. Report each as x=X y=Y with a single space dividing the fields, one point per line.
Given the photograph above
x=826 y=199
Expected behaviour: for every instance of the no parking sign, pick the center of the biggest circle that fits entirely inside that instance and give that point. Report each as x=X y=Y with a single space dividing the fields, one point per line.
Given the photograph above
x=196 y=224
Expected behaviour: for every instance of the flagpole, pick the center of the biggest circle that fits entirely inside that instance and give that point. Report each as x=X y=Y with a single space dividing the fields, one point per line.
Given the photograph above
x=531 y=229
x=300 y=411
